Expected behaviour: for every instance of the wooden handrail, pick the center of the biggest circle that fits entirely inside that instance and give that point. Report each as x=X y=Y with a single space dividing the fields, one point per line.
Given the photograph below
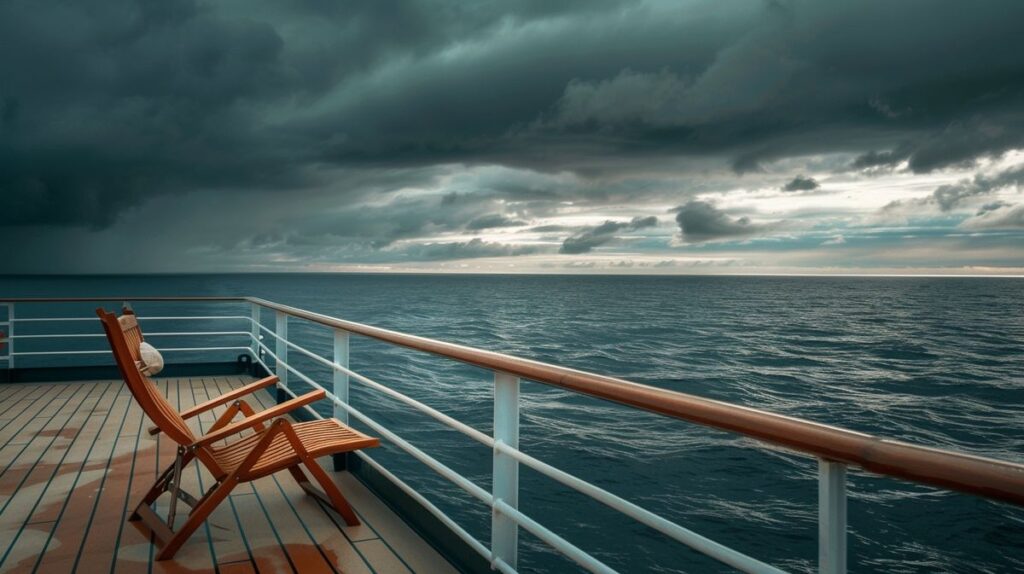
x=987 y=477
x=956 y=471
x=118 y=299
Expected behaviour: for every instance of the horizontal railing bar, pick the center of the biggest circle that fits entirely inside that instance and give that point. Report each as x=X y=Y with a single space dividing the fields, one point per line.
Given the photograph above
x=302 y=350
x=942 y=468
x=700 y=543
x=107 y=352
x=77 y=335
x=192 y=298
x=196 y=318
x=437 y=415
x=57 y=336
x=431 y=462
x=567 y=548
x=293 y=394
x=432 y=412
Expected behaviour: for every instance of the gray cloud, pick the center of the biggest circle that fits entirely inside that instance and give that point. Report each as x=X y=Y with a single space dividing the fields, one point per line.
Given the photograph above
x=701 y=221
x=585 y=241
x=999 y=215
x=493 y=220
x=950 y=196
x=801 y=183
x=473 y=248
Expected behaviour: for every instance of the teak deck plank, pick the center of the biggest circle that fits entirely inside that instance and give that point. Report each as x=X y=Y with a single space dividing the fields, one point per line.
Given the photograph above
x=24 y=411
x=85 y=459
x=39 y=504
x=76 y=516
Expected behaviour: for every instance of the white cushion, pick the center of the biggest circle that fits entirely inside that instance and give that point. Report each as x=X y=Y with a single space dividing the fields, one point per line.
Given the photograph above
x=152 y=360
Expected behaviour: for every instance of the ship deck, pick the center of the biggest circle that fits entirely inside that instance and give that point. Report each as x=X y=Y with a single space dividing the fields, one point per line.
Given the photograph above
x=75 y=457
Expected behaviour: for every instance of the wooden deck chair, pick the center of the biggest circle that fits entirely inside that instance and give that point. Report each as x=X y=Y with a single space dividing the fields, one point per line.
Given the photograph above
x=231 y=459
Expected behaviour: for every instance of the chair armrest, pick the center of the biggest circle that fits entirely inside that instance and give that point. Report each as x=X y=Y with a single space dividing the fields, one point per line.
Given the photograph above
x=223 y=399
x=249 y=422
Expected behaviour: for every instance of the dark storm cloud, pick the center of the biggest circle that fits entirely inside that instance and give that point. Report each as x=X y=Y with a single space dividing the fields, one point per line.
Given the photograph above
x=106 y=105
x=701 y=221
x=134 y=98
x=801 y=183
x=587 y=240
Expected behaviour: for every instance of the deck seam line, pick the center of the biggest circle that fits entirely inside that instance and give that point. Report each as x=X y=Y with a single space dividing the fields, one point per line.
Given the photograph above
x=199 y=473
x=42 y=393
x=36 y=505
x=128 y=492
x=85 y=461
x=70 y=416
x=55 y=468
x=14 y=418
x=302 y=523
x=337 y=525
x=103 y=480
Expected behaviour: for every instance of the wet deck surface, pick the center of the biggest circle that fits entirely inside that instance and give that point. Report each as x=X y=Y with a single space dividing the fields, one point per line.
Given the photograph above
x=75 y=458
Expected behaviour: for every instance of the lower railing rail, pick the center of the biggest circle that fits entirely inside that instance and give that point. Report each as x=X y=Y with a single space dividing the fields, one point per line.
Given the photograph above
x=835 y=449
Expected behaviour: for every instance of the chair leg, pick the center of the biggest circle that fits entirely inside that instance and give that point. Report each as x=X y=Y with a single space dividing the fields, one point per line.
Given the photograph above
x=160 y=486
x=199 y=514
x=299 y=476
x=334 y=495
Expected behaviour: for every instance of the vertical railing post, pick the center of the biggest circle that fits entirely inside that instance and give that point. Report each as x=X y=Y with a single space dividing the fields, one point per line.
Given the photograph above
x=281 y=350
x=831 y=517
x=10 y=336
x=340 y=386
x=505 y=478
x=254 y=311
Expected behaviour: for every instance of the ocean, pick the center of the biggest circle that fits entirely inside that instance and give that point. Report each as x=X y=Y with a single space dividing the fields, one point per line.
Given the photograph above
x=933 y=361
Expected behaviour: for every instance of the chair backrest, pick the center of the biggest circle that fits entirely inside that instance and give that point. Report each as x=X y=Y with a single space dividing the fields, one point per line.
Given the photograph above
x=124 y=336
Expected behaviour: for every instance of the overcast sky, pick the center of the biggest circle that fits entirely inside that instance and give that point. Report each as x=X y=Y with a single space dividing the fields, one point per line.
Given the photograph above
x=535 y=136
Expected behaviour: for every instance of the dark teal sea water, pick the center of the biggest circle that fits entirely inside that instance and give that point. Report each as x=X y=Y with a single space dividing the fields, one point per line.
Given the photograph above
x=931 y=361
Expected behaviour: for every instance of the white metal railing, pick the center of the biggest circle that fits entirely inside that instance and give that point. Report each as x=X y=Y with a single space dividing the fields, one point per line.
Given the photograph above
x=504 y=495
x=502 y=499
